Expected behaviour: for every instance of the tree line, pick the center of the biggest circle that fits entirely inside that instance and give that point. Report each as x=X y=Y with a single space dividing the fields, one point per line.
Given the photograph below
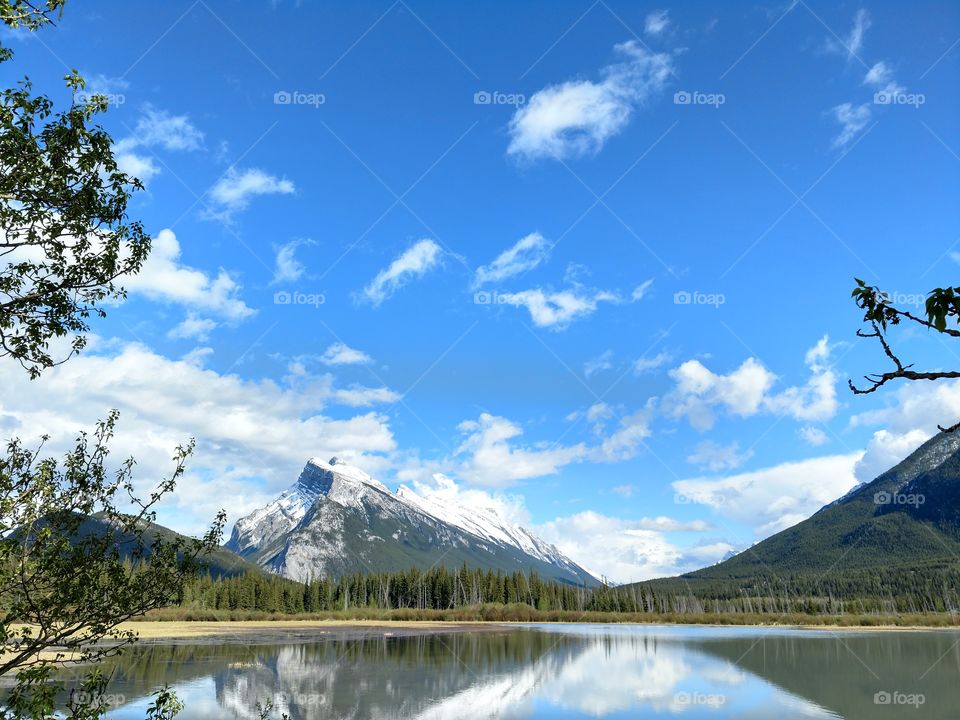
x=932 y=587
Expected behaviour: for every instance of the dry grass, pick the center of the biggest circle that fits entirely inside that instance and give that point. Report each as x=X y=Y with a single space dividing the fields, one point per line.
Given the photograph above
x=153 y=629
x=188 y=618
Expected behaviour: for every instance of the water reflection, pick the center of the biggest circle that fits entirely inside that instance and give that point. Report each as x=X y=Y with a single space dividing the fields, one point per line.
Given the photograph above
x=558 y=671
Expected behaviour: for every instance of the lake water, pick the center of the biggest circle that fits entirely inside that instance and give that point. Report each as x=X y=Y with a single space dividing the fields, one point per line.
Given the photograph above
x=555 y=671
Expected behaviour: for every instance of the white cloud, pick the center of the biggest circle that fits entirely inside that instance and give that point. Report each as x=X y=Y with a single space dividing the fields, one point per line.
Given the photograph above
x=139 y=166
x=885 y=449
x=158 y=128
x=598 y=412
x=698 y=391
x=880 y=78
x=622 y=550
x=746 y=391
x=715 y=457
x=602 y=362
x=647 y=364
x=817 y=400
x=852 y=119
x=355 y=395
x=524 y=255
x=235 y=189
x=708 y=553
x=492 y=455
x=359 y=396
x=154 y=128
x=414 y=262
x=774 y=498
x=342 y=354
x=100 y=84
x=163 y=277
x=861 y=22
x=557 y=310
x=640 y=291
x=910 y=420
x=193 y=327
x=253 y=435
x=198 y=356
x=813 y=435
x=656 y=22
x=624 y=490
x=666 y=524
x=578 y=117
x=852 y=44
x=490 y=459
x=288 y=268
x=626 y=440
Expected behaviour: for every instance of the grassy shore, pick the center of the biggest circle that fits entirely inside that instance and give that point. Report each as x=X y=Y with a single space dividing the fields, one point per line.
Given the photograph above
x=161 y=629
x=524 y=613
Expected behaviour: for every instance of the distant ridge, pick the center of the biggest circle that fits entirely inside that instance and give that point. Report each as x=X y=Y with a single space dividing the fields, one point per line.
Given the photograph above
x=219 y=562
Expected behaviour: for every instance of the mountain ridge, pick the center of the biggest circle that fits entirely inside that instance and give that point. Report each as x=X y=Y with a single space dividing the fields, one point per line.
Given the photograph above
x=907 y=518
x=337 y=519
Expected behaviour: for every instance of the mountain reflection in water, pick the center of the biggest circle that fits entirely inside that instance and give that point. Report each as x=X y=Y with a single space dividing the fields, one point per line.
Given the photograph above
x=554 y=671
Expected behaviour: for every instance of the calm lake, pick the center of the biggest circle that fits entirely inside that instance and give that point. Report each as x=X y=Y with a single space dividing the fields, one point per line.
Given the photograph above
x=556 y=671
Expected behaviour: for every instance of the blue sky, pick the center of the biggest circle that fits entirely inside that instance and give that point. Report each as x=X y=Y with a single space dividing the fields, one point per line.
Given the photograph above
x=590 y=261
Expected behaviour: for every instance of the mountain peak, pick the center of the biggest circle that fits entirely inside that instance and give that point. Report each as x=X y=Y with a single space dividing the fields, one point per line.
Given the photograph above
x=334 y=478
x=335 y=505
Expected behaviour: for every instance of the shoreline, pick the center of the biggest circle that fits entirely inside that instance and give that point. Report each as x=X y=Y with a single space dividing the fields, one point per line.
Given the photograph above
x=154 y=630
x=185 y=629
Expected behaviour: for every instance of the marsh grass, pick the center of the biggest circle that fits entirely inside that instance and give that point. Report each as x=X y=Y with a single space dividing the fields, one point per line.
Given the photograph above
x=525 y=613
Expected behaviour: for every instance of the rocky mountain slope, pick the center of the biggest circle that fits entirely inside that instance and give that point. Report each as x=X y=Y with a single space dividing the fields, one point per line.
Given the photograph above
x=905 y=521
x=336 y=520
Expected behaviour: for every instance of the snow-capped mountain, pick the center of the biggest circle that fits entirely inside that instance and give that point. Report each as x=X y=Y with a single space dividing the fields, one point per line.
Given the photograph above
x=345 y=485
x=337 y=519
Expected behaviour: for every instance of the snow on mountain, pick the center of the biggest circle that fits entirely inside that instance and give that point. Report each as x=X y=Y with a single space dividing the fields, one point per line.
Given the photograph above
x=483 y=522
x=303 y=531
x=927 y=458
x=335 y=479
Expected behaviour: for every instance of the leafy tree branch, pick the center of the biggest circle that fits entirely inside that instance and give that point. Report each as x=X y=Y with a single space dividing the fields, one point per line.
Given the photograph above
x=942 y=310
x=65 y=235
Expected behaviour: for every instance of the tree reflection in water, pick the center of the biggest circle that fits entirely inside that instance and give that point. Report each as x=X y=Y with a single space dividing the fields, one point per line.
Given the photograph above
x=576 y=670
